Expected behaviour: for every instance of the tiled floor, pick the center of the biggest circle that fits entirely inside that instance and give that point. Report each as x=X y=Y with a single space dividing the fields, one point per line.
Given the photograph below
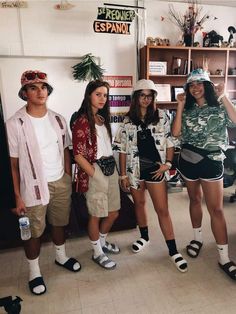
x=142 y=283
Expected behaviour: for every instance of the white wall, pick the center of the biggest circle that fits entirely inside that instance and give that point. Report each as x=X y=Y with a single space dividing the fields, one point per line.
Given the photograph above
x=40 y=30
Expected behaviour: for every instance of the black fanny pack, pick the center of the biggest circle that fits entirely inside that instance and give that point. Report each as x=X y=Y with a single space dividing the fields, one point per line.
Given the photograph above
x=107 y=165
x=194 y=154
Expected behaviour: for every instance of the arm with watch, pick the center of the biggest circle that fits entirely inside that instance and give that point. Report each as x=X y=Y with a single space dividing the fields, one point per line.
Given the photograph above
x=168 y=163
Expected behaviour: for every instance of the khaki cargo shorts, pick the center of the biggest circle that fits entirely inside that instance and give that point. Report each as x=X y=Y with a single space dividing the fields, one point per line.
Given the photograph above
x=103 y=195
x=58 y=209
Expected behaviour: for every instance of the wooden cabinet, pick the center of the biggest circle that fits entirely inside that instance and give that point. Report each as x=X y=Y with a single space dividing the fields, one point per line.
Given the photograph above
x=221 y=65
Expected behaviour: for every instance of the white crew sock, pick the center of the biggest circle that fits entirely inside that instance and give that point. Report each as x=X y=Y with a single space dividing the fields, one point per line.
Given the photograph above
x=61 y=256
x=223 y=253
x=103 y=237
x=34 y=272
x=197 y=233
x=97 y=248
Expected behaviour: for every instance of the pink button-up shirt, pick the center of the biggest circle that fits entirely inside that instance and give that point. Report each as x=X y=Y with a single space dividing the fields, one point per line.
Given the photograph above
x=23 y=145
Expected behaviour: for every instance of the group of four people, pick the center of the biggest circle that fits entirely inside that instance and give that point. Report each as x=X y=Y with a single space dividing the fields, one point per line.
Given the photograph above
x=41 y=167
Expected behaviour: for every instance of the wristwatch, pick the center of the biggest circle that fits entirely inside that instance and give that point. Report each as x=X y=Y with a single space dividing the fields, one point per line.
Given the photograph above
x=169 y=164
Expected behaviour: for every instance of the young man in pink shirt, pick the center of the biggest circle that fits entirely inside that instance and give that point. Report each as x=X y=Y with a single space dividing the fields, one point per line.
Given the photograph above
x=41 y=170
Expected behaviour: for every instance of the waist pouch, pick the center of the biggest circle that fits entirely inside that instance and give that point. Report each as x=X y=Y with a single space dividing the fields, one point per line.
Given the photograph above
x=107 y=165
x=194 y=154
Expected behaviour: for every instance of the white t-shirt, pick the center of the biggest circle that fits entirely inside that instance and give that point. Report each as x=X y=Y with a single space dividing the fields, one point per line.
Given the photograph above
x=48 y=147
x=104 y=148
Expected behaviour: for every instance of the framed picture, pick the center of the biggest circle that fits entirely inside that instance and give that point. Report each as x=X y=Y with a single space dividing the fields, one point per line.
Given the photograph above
x=163 y=92
x=175 y=91
x=157 y=67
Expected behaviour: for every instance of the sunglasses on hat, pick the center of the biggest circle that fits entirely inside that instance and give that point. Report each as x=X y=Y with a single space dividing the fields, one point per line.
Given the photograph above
x=33 y=75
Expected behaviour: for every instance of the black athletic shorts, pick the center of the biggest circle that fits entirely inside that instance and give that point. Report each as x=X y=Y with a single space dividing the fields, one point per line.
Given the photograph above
x=206 y=169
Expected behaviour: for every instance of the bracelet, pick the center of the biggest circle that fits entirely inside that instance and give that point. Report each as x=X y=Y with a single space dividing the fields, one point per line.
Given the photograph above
x=123 y=177
x=220 y=97
x=169 y=164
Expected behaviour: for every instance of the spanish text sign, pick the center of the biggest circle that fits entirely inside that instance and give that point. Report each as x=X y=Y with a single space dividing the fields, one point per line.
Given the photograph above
x=119 y=81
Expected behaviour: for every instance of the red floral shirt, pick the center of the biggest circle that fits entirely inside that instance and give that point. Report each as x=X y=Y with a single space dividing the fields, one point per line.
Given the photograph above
x=85 y=144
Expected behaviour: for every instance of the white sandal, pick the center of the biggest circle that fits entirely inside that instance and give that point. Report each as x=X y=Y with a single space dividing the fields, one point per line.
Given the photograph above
x=178 y=260
x=139 y=245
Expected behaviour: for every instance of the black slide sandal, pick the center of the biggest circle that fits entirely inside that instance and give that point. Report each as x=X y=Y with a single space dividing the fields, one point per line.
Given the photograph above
x=191 y=247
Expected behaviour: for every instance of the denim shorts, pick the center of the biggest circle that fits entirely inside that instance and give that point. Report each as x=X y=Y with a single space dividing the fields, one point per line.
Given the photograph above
x=103 y=195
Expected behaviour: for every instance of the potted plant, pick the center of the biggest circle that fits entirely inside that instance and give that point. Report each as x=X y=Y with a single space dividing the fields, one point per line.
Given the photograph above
x=87 y=69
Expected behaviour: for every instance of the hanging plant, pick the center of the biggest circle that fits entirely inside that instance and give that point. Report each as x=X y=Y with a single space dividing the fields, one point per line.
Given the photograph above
x=87 y=69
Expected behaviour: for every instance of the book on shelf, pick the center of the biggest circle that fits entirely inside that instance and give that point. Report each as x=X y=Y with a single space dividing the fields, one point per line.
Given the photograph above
x=157 y=67
x=185 y=69
x=163 y=92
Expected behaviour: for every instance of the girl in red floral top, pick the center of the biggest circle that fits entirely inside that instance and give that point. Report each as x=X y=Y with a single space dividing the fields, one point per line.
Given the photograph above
x=97 y=174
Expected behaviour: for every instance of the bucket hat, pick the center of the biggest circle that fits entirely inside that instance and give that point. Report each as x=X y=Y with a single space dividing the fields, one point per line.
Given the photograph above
x=145 y=84
x=33 y=77
x=198 y=75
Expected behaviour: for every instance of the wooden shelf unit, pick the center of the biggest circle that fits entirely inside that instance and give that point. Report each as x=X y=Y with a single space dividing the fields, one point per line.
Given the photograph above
x=191 y=58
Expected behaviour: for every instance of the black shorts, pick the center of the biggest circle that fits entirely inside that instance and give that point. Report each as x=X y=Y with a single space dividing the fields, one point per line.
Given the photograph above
x=206 y=169
x=146 y=173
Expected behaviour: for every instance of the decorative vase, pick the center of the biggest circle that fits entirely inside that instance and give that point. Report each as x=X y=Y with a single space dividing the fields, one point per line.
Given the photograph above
x=188 y=40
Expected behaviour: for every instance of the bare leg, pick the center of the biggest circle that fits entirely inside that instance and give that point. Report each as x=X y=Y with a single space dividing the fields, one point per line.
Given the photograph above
x=108 y=221
x=139 y=197
x=140 y=203
x=32 y=248
x=213 y=193
x=158 y=193
x=58 y=235
x=195 y=206
x=93 y=228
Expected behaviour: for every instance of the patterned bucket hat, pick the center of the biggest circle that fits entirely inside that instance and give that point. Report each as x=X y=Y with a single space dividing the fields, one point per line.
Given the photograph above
x=198 y=75
x=32 y=77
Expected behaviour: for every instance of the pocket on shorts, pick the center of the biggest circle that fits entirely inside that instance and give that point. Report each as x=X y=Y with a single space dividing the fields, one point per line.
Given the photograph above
x=98 y=175
x=97 y=204
x=68 y=177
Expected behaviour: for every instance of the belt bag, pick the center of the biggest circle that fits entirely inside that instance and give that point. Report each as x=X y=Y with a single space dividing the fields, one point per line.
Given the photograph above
x=107 y=165
x=194 y=154
x=191 y=156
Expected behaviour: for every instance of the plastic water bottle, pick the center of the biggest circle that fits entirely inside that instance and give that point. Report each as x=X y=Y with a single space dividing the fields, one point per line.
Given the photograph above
x=25 y=232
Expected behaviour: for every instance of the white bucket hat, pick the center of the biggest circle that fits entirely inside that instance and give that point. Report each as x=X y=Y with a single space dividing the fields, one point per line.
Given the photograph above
x=145 y=84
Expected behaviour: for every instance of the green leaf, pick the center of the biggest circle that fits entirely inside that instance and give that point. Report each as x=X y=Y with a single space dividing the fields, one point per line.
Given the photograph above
x=87 y=69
